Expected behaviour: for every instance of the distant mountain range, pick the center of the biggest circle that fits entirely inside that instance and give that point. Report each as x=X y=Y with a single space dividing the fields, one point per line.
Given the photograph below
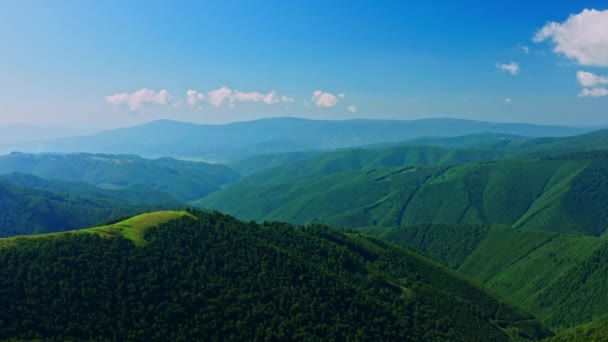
x=239 y=140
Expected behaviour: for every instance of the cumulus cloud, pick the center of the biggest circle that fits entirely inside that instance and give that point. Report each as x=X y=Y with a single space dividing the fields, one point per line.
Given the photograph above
x=225 y=95
x=508 y=101
x=352 y=108
x=219 y=96
x=269 y=98
x=525 y=49
x=137 y=99
x=588 y=79
x=593 y=92
x=512 y=68
x=193 y=97
x=582 y=37
x=322 y=99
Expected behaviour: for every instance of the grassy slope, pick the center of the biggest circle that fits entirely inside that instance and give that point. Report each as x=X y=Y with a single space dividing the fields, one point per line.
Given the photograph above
x=424 y=299
x=132 y=228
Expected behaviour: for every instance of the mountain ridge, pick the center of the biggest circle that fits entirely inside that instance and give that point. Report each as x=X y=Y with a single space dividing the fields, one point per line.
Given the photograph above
x=273 y=280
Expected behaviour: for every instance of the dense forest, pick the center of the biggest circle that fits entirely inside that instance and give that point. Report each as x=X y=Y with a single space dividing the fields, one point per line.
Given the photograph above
x=560 y=278
x=210 y=277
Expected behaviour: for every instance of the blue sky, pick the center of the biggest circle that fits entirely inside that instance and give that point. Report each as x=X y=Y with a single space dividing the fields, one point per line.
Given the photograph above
x=117 y=63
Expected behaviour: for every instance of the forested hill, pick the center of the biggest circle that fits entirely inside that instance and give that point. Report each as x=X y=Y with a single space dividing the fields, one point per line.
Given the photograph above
x=563 y=194
x=427 y=151
x=185 y=180
x=198 y=276
x=560 y=278
x=137 y=194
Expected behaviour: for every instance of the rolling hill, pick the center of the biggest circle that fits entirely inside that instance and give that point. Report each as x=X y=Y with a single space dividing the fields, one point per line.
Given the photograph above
x=563 y=194
x=184 y=180
x=512 y=145
x=193 y=276
x=239 y=140
x=490 y=145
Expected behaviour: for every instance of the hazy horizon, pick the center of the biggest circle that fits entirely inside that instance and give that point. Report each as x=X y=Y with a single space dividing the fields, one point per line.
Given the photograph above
x=40 y=131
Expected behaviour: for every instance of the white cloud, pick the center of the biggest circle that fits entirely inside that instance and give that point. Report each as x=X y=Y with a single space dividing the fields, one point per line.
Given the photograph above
x=525 y=49
x=588 y=79
x=225 y=95
x=269 y=98
x=137 y=99
x=341 y=95
x=217 y=97
x=322 y=99
x=593 y=92
x=583 y=37
x=220 y=96
x=193 y=97
x=352 y=108
x=508 y=101
x=512 y=68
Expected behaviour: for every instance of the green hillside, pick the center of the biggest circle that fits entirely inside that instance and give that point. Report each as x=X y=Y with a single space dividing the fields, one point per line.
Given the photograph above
x=25 y=211
x=596 y=331
x=592 y=141
x=132 y=228
x=253 y=164
x=560 y=278
x=481 y=140
x=513 y=145
x=133 y=194
x=562 y=194
x=433 y=150
x=358 y=159
x=182 y=179
x=198 y=276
